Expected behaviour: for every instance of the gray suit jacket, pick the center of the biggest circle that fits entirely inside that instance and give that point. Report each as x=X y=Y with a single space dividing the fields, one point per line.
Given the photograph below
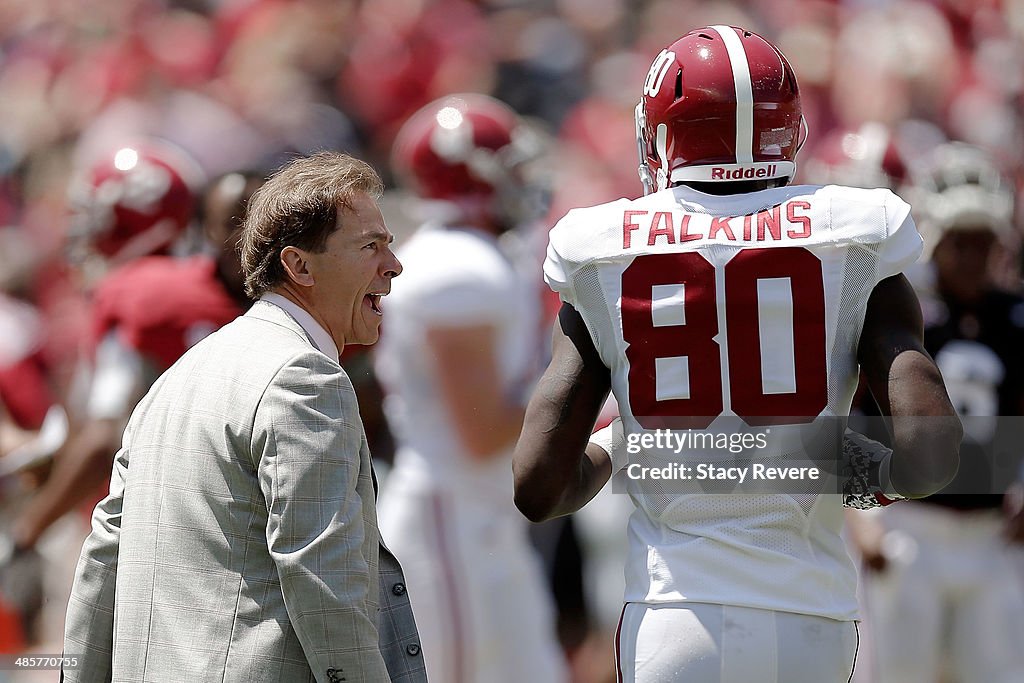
x=242 y=544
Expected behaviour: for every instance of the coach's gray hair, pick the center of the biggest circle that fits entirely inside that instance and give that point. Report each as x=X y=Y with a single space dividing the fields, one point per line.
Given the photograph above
x=298 y=206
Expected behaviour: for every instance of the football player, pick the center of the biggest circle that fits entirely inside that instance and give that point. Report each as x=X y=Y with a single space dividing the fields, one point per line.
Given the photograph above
x=945 y=599
x=456 y=357
x=727 y=302
x=147 y=310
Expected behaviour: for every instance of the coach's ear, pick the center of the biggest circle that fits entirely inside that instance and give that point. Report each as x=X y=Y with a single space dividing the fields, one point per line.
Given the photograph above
x=296 y=266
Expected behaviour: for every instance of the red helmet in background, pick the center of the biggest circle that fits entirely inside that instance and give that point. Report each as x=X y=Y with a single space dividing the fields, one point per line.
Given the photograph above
x=466 y=149
x=134 y=202
x=720 y=104
x=866 y=157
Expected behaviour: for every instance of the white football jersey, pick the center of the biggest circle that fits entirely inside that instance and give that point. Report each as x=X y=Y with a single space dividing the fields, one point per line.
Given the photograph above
x=452 y=277
x=742 y=313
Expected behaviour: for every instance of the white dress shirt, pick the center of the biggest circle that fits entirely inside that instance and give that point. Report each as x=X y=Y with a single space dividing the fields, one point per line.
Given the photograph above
x=315 y=330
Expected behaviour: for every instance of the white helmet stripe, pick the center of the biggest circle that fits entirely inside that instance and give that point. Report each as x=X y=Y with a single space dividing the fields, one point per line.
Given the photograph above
x=744 y=93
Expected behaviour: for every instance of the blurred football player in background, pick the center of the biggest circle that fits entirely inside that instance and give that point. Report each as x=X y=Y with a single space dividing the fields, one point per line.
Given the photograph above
x=944 y=590
x=26 y=399
x=25 y=395
x=456 y=357
x=722 y=300
x=136 y=201
x=147 y=310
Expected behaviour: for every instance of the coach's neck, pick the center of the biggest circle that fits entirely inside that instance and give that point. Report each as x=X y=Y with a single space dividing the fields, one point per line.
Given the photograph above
x=300 y=287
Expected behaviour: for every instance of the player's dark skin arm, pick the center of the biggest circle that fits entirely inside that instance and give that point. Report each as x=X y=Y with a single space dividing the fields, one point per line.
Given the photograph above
x=556 y=470
x=907 y=385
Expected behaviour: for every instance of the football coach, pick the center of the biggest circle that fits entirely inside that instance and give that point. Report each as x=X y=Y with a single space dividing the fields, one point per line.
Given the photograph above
x=239 y=540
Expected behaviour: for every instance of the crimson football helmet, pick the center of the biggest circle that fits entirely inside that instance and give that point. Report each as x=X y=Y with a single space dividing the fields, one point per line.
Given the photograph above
x=134 y=202
x=720 y=104
x=469 y=150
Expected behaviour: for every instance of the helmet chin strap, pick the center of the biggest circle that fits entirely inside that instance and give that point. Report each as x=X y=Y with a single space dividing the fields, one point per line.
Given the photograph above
x=660 y=179
x=660 y=144
x=645 y=179
x=640 y=121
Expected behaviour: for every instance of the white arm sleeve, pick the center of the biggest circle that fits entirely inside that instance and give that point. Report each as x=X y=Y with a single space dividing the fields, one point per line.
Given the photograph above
x=902 y=245
x=613 y=440
x=556 y=270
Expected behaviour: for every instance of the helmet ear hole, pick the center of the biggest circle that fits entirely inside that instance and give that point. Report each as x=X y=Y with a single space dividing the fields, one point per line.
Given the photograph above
x=679 y=84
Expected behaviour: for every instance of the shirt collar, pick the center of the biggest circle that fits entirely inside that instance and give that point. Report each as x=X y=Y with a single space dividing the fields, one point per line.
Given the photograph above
x=316 y=332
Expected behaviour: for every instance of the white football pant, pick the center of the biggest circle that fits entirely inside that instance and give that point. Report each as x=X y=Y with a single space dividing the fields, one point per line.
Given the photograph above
x=482 y=609
x=706 y=643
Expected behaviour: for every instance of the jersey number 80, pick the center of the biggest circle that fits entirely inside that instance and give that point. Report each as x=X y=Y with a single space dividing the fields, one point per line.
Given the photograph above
x=694 y=330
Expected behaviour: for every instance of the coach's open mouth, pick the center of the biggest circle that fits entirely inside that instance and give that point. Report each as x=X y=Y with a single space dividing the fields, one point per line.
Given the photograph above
x=374 y=300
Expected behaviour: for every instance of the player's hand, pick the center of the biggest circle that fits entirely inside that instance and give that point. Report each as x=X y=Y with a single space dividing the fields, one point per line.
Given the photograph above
x=867 y=533
x=1013 y=507
x=874 y=558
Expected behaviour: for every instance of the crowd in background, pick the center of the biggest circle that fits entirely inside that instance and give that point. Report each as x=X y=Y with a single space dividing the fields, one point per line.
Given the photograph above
x=242 y=84
x=245 y=84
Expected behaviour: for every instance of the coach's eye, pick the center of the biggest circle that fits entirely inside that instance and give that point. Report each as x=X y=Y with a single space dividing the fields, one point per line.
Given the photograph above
x=371 y=245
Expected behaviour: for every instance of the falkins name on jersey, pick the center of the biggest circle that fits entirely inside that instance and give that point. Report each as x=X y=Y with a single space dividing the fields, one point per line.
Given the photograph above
x=677 y=227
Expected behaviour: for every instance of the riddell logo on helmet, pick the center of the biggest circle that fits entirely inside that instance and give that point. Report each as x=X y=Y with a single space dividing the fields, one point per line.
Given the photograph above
x=719 y=173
